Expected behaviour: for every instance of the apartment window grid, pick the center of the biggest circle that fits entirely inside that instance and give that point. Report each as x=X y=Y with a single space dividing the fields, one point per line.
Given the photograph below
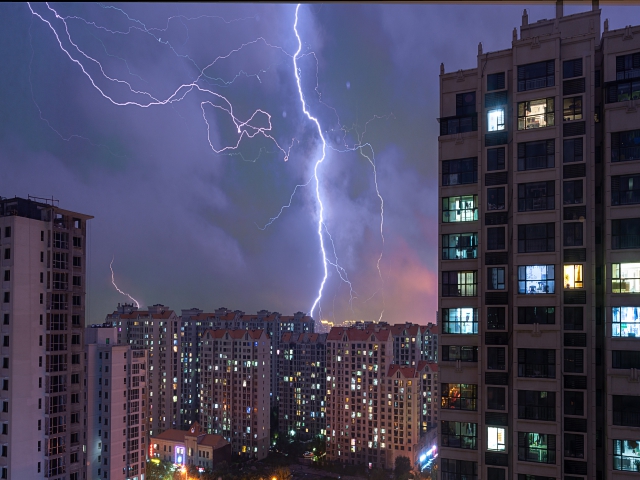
x=536 y=155
x=459 y=283
x=537 y=405
x=536 y=363
x=536 y=75
x=538 y=113
x=536 y=237
x=625 y=146
x=460 y=246
x=536 y=196
x=462 y=171
x=460 y=321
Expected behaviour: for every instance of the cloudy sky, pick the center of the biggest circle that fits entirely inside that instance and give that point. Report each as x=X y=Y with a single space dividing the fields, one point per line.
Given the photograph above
x=180 y=129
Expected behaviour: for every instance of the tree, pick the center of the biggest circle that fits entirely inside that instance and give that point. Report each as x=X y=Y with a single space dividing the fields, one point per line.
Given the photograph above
x=402 y=467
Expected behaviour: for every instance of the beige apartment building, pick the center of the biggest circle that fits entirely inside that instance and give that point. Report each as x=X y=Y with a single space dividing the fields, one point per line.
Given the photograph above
x=540 y=255
x=157 y=331
x=376 y=410
x=234 y=389
x=116 y=401
x=42 y=310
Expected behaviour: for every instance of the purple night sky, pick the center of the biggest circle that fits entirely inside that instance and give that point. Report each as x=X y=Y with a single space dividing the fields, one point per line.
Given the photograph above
x=184 y=223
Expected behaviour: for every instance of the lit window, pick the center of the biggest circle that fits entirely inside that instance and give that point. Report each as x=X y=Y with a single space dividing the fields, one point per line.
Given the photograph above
x=625 y=322
x=573 y=276
x=572 y=108
x=536 y=113
x=626 y=455
x=496 y=440
x=460 y=320
x=495 y=119
x=625 y=278
x=460 y=209
x=533 y=279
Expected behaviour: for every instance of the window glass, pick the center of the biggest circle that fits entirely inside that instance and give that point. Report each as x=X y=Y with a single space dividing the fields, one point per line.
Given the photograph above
x=495 y=119
x=495 y=238
x=495 y=278
x=536 y=237
x=496 y=398
x=459 y=284
x=625 y=278
x=572 y=108
x=541 y=315
x=625 y=322
x=573 y=403
x=537 y=447
x=536 y=75
x=573 y=276
x=625 y=189
x=465 y=103
x=572 y=192
x=495 y=198
x=536 y=196
x=495 y=81
x=460 y=172
x=459 y=246
x=572 y=150
x=625 y=233
x=496 y=359
x=536 y=363
x=496 y=438
x=572 y=233
x=626 y=455
x=533 y=279
x=536 y=113
x=572 y=68
x=460 y=396
x=495 y=159
x=537 y=405
x=460 y=209
x=495 y=318
x=451 y=353
x=460 y=320
x=625 y=146
x=459 y=435
x=536 y=155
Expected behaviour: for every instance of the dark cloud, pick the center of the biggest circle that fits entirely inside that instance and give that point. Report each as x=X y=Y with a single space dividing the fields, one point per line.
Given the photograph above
x=182 y=221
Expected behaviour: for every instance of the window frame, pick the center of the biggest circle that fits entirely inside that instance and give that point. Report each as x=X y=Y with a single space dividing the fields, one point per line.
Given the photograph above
x=628 y=196
x=497 y=163
x=537 y=196
x=498 y=195
x=531 y=121
x=532 y=442
x=572 y=108
x=458 y=326
x=547 y=285
x=460 y=249
x=618 y=280
x=573 y=150
x=531 y=156
x=531 y=315
x=464 y=397
x=460 y=171
x=631 y=322
x=459 y=283
x=496 y=278
x=537 y=405
x=571 y=195
x=531 y=77
x=469 y=203
x=526 y=245
x=533 y=364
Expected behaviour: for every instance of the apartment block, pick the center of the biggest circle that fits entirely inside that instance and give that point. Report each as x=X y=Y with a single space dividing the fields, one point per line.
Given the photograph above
x=429 y=342
x=376 y=409
x=42 y=309
x=234 y=392
x=538 y=153
x=195 y=322
x=157 y=331
x=116 y=404
x=303 y=385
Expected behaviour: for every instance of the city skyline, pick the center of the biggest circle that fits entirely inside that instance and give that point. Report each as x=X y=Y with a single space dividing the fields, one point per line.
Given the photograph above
x=181 y=224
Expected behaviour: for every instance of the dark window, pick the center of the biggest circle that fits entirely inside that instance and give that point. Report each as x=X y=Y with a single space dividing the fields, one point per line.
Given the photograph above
x=625 y=190
x=536 y=196
x=495 y=159
x=6 y=297
x=535 y=405
x=536 y=113
x=536 y=75
x=495 y=278
x=5 y=319
x=536 y=155
x=496 y=473
x=572 y=192
x=459 y=284
x=572 y=150
x=496 y=358
x=75 y=320
x=572 y=68
x=573 y=318
x=459 y=435
x=460 y=172
x=536 y=447
x=496 y=398
x=495 y=238
x=459 y=246
x=459 y=469
x=622 y=91
x=625 y=233
x=465 y=103
x=77 y=261
x=573 y=360
x=7 y=253
x=76 y=300
x=7 y=232
x=536 y=237
x=628 y=66
x=77 y=281
x=573 y=445
x=625 y=146
x=541 y=315
x=572 y=233
x=495 y=318
x=536 y=363
x=77 y=242
x=460 y=396
x=75 y=378
x=495 y=81
x=572 y=108
x=453 y=125
x=573 y=403
x=626 y=410
x=459 y=352
x=625 y=359
x=495 y=198
x=7 y=275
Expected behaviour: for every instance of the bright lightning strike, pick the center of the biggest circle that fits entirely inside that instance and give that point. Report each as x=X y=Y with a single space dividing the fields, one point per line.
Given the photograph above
x=116 y=286
x=317 y=165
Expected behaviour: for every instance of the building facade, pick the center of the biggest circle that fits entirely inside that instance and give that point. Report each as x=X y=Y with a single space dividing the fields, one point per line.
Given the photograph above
x=376 y=409
x=157 y=331
x=537 y=157
x=303 y=381
x=116 y=403
x=43 y=263
x=234 y=395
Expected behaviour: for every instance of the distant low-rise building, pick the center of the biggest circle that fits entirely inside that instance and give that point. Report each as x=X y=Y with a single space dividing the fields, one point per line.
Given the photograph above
x=190 y=447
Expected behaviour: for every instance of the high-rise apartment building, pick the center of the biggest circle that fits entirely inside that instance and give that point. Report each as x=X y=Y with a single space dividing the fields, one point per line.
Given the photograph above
x=157 y=331
x=303 y=385
x=376 y=410
x=194 y=323
x=540 y=235
x=234 y=389
x=429 y=342
x=116 y=399
x=43 y=265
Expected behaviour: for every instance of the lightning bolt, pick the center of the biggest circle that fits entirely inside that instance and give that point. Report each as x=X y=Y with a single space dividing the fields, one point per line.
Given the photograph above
x=296 y=71
x=116 y=286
